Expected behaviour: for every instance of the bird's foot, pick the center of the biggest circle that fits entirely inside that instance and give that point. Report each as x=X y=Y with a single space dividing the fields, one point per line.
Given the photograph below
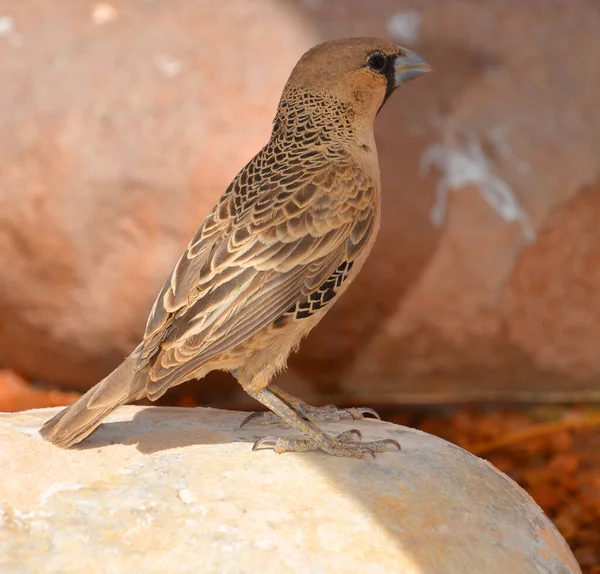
x=313 y=414
x=347 y=443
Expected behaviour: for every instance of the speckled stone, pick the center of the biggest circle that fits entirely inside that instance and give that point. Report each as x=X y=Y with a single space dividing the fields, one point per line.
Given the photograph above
x=159 y=489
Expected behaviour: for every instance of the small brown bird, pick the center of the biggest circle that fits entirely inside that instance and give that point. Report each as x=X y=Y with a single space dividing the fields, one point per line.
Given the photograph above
x=282 y=244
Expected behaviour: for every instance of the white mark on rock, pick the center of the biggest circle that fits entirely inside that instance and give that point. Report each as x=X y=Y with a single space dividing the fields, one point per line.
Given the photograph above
x=59 y=487
x=103 y=13
x=30 y=521
x=405 y=26
x=264 y=543
x=187 y=496
x=470 y=166
x=145 y=520
x=31 y=515
x=197 y=509
x=498 y=138
x=7 y=25
x=168 y=65
x=9 y=32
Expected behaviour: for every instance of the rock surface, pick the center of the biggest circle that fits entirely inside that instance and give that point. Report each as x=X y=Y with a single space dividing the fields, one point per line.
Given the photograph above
x=124 y=122
x=157 y=489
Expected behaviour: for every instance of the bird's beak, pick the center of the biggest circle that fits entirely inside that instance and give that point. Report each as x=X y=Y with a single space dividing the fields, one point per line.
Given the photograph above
x=409 y=66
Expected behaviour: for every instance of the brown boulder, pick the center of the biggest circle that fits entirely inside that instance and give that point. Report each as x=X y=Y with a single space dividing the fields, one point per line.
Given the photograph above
x=122 y=126
x=122 y=130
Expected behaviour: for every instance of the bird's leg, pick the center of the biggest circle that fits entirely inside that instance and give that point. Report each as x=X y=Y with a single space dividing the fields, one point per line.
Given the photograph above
x=314 y=414
x=325 y=413
x=345 y=444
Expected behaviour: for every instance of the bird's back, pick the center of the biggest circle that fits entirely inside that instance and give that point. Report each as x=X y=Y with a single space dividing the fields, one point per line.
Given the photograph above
x=282 y=243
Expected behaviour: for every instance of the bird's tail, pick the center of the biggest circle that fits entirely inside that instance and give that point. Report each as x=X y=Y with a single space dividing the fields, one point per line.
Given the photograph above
x=80 y=419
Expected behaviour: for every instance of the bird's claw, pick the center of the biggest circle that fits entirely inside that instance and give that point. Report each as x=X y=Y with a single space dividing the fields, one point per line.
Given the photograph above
x=264 y=418
x=390 y=441
x=352 y=433
x=265 y=441
x=332 y=413
x=347 y=443
x=359 y=412
x=314 y=414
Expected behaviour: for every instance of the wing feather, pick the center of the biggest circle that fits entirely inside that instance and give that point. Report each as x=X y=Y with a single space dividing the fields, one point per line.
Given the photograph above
x=257 y=255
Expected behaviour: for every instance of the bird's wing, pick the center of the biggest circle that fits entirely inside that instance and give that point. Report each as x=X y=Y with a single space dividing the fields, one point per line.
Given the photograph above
x=253 y=260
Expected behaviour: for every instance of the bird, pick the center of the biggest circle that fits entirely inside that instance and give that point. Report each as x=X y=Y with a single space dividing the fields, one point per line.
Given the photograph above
x=280 y=246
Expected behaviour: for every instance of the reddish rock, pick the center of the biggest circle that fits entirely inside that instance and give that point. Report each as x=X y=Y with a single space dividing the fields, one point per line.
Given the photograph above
x=122 y=127
x=16 y=394
x=493 y=295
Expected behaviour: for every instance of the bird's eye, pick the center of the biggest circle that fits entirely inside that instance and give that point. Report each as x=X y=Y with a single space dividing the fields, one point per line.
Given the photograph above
x=377 y=63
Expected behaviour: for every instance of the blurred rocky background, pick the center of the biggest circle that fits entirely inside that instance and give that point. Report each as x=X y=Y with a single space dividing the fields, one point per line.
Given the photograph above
x=122 y=122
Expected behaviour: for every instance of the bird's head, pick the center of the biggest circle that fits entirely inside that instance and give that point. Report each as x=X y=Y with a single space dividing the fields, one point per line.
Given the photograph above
x=362 y=72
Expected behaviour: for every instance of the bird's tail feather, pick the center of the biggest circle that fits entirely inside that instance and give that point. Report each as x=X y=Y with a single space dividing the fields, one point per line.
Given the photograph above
x=80 y=419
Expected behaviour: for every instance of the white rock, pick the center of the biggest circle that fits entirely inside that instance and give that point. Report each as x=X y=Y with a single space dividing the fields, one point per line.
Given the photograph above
x=405 y=26
x=161 y=489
